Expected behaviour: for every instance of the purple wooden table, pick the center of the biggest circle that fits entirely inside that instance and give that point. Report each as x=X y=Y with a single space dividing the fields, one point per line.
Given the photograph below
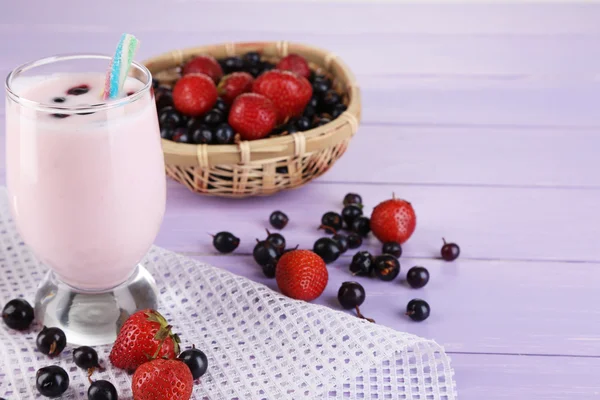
x=484 y=116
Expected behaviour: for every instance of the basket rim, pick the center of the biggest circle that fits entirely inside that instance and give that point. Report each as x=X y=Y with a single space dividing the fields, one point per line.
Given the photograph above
x=325 y=133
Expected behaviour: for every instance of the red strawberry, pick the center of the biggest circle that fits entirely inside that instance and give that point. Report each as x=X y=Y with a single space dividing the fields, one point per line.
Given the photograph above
x=162 y=380
x=296 y=64
x=289 y=92
x=253 y=116
x=206 y=65
x=194 y=94
x=144 y=336
x=393 y=221
x=301 y=275
x=232 y=85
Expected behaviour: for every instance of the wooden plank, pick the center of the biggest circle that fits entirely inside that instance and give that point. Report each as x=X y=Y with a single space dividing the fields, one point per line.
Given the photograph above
x=206 y=16
x=477 y=306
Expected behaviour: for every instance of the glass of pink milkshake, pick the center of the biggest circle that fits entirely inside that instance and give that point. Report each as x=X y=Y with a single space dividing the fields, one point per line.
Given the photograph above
x=87 y=190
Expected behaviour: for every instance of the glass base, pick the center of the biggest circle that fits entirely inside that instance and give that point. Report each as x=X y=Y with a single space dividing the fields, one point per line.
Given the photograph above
x=93 y=318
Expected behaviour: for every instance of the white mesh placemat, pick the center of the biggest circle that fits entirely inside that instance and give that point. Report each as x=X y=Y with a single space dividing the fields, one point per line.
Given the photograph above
x=260 y=344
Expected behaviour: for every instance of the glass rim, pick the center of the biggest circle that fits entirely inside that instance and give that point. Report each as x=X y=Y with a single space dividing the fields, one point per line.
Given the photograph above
x=61 y=109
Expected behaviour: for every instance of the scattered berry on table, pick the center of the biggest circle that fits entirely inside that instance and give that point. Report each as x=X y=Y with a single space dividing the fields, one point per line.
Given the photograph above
x=224 y=134
x=295 y=63
x=196 y=361
x=417 y=277
x=289 y=92
x=232 y=64
x=225 y=242
x=265 y=253
x=162 y=379
x=350 y=213
x=277 y=240
x=351 y=295
x=51 y=381
x=362 y=226
x=51 y=341
x=278 y=220
x=194 y=94
x=353 y=199
x=253 y=116
x=332 y=220
x=102 y=390
x=386 y=267
x=169 y=117
x=206 y=65
x=233 y=85
x=393 y=248
x=213 y=117
x=327 y=249
x=78 y=90
x=354 y=240
x=301 y=275
x=86 y=357
x=269 y=270
x=362 y=264
x=201 y=134
x=181 y=135
x=450 y=251
x=393 y=220
x=338 y=110
x=145 y=332
x=342 y=241
x=418 y=310
x=18 y=314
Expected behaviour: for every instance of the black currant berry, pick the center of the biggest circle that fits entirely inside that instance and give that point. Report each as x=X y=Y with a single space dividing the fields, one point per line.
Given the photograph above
x=51 y=381
x=181 y=135
x=225 y=242
x=327 y=249
x=213 y=118
x=224 y=134
x=201 y=134
x=354 y=240
x=232 y=64
x=222 y=106
x=51 y=341
x=303 y=123
x=265 y=253
x=251 y=58
x=269 y=270
x=18 y=314
x=351 y=213
x=330 y=99
x=362 y=264
x=351 y=295
x=392 y=248
x=278 y=220
x=418 y=310
x=196 y=361
x=386 y=267
x=321 y=85
x=417 y=277
x=102 y=390
x=332 y=220
x=353 y=198
x=277 y=240
x=86 y=357
x=362 y=226
x=338 y=110
x=168 y=116
x=450 y=251
x=342 y=241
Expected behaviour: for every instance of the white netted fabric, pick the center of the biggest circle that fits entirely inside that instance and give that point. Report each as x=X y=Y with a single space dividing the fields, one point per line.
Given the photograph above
x=260 y=344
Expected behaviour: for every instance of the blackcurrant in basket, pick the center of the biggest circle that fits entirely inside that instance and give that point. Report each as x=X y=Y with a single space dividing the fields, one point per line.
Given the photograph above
x=450 y=251
x=155 y=83
x=362 y=226
x=224 y=134
x=321 y=85
x=51 y=341
x=418 y=310
x=350 y=213
x=221 y=106
x=321 y=121
x=86 y=357
x=309 y=112
x=251 y=58
x=342 y=241
x=392 y=248
x=353 y=198
x=18 y=314
x=102 y=390
x=332 y=220
x=267 y=66
x=265 y=253
x=351 y=295
x=327 y=249
x=166 y=132
x=232 y=64
x=51 y=381
x=386 y=267
x=196 y=361
x=291 y=127
x=277 y=240
x=181 y=135
x=362 y=264
x=417 y=277
x=338 y=110
x=213 y=118
x=168 y=116
x=201 y=134
x=330 y=99
x=225 y=242
x=278 y=220
x=303 y=123
x=164 y=101
x=354 y=240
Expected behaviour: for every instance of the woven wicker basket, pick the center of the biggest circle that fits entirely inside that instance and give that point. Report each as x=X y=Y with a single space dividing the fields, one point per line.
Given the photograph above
x=265 y=166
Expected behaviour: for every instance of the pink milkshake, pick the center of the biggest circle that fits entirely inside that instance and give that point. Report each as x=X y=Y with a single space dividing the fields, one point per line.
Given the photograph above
x=86 y=182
